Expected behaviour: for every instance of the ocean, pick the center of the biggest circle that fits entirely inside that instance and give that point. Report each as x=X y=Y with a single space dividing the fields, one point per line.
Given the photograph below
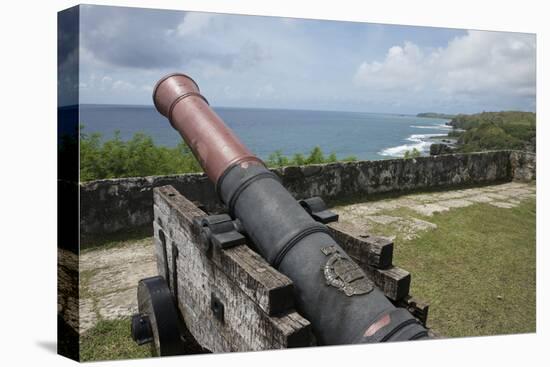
x=363 y=135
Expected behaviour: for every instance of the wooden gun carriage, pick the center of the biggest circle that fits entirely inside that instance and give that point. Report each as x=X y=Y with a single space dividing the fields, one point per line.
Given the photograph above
x=228 y=298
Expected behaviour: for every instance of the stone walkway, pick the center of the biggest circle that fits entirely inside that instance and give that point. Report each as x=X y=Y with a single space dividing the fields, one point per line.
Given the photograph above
x=387 y=212
x=109 y=277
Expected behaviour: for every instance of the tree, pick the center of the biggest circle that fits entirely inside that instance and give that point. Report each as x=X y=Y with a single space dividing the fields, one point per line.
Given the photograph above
x=414 y=153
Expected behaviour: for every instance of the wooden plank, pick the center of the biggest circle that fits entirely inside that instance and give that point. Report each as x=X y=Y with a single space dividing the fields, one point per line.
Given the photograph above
x=417 y=308
x=394 y=282
x=238 y=279
x=272 y=290
x=246 y=327
x=374 y=254
x=374 y=251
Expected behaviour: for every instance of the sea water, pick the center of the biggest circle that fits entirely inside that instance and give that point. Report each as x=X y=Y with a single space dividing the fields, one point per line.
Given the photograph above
x=264 y=131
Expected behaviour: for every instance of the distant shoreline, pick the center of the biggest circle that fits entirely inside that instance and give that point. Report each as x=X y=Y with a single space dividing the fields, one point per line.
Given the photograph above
x=435 y=115
x=151 y=106
x=493 y=131
x=363 y=135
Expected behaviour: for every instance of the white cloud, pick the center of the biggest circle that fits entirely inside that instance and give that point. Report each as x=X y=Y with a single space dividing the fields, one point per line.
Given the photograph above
x=194 y=23
x=123 y=85
x=479 y=64
x=106 y=83
x=265 y=91
x=402 y=68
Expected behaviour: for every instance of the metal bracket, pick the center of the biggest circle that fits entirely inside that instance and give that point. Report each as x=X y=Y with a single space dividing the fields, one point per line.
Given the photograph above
x=317 y=208
x=217 y=307
x=175 y=254
x=221 y=231
x=141 y=329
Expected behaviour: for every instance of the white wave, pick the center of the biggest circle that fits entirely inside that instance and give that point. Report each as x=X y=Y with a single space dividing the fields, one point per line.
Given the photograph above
x=437 y=127
x=421 y=137
x=420 y=142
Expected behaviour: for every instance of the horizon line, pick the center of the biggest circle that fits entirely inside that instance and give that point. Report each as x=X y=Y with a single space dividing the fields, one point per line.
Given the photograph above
x=414 y=114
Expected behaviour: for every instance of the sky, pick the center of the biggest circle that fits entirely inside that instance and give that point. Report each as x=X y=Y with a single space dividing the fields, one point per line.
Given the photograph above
x=273 y=62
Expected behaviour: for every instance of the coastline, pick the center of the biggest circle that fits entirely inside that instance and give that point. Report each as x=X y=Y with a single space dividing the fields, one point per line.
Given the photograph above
x=420 y=142
x=266 y=131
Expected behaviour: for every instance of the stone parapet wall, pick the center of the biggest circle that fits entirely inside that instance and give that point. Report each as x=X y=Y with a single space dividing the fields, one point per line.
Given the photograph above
x=351 y=179
x=113 y=205
x=523 y=166
x=108 y=206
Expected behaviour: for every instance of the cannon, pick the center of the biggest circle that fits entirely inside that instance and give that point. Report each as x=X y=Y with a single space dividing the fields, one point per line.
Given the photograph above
x=332 y=292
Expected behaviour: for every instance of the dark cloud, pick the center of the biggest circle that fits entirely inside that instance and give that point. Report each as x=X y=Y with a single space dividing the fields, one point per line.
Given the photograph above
x=67 y=56
x=67 y=34
x=130 y=37
x=150 y=39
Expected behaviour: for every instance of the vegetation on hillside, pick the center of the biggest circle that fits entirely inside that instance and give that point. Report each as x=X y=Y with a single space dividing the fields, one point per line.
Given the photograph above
x=140 y=156
x=495 y=130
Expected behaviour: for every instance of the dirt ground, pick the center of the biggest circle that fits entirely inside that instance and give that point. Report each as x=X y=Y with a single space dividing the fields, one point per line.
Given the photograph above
x=109 y=276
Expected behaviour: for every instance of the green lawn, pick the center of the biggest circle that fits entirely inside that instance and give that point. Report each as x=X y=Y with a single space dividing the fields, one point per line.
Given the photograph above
x=477 y=269
x=111 y=340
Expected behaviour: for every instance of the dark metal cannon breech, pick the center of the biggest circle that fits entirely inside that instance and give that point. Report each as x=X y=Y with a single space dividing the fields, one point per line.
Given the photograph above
x=332 y=291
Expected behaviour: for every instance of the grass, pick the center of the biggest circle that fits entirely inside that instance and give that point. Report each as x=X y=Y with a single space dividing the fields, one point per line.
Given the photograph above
x=477 y=269
x=110 y=340
x=116 y=239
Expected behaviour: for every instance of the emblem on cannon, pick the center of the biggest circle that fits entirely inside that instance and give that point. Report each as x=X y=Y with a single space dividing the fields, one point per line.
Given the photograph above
x=343 y=274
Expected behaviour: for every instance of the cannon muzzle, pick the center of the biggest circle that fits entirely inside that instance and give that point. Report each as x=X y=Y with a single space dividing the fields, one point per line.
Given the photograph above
x=331 y=290
x=178 y=98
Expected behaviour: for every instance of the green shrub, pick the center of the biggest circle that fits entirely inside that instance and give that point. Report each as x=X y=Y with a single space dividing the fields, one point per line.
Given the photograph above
x=140 y=156
x=414 y=153
x=277 y=159
x=488 y=136
x=316 y=156
x=299 y=159
x=136 y=157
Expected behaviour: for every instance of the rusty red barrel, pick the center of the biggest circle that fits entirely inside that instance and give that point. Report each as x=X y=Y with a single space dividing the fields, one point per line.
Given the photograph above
x=178 y=97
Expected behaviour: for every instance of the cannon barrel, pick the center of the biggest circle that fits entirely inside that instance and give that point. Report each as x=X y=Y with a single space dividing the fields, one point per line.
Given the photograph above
x=331 y=290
